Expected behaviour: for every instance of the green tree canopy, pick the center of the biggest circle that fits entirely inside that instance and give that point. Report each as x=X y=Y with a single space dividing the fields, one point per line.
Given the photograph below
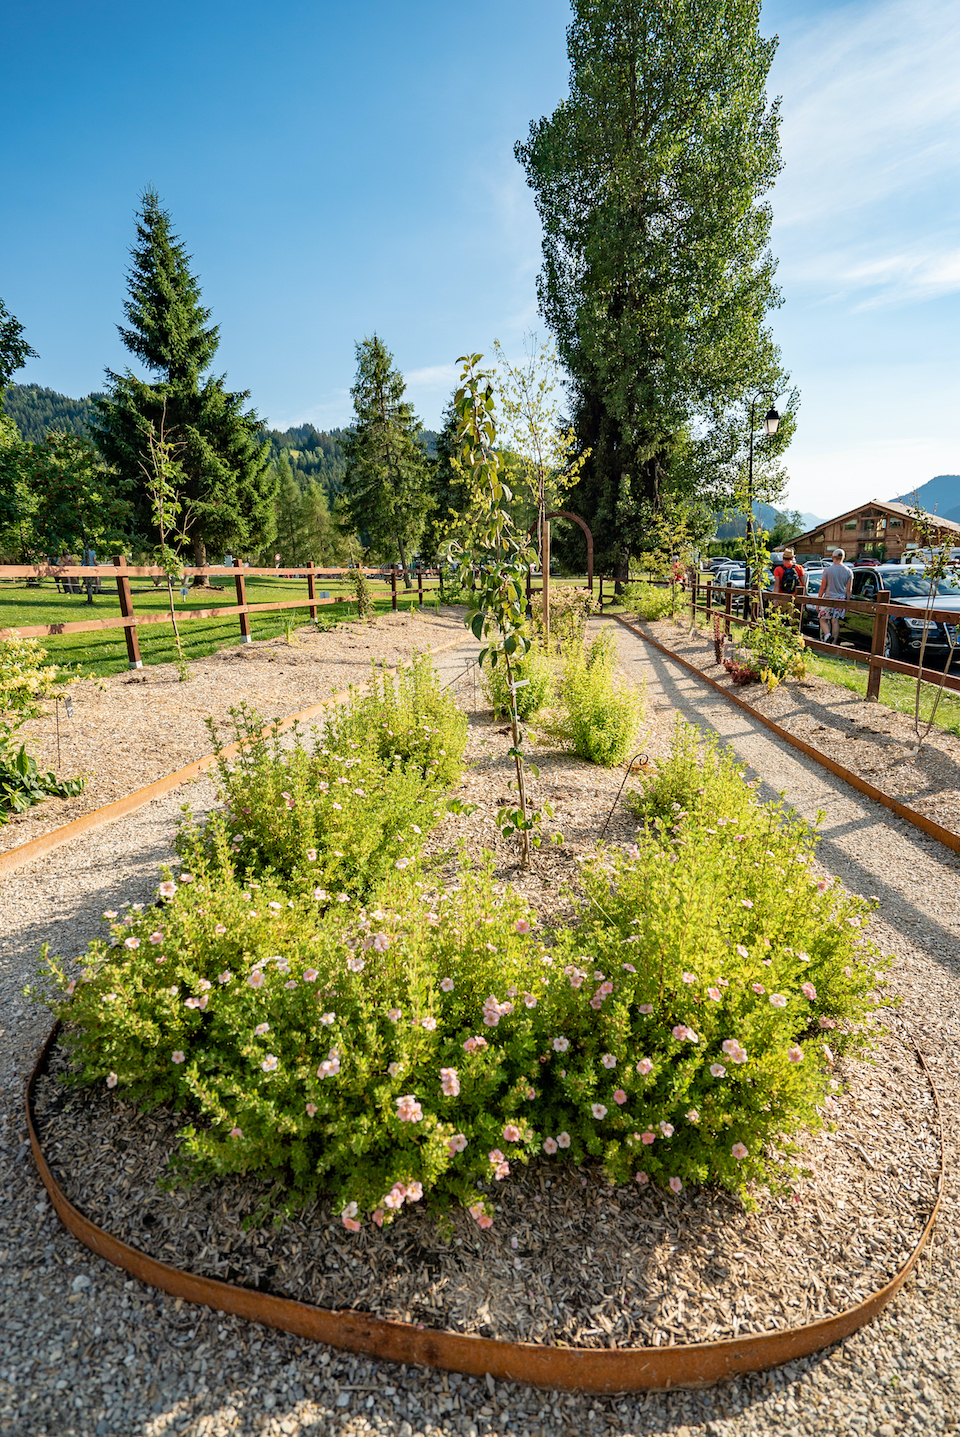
x=14 y=349
x=657 y=276
x=229 y=486
x=385 y=491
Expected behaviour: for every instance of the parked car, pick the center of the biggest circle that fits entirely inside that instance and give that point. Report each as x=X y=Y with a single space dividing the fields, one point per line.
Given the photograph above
x=909 y=588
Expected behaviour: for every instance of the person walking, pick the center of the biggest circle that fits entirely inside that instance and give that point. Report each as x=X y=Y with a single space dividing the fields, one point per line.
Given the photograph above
x=837 y=583
x=788 y=577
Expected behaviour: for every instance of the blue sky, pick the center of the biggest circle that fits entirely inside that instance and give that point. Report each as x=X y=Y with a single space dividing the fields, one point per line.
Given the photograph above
x=338 y=169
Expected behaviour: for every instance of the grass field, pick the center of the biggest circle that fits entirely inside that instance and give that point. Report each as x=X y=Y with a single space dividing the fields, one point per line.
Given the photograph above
x=104 y=652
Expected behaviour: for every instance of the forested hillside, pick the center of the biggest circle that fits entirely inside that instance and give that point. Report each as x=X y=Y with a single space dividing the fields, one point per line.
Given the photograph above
x=36 y=410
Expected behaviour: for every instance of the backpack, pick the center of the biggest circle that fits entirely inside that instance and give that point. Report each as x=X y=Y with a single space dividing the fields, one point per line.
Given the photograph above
x=789 y=579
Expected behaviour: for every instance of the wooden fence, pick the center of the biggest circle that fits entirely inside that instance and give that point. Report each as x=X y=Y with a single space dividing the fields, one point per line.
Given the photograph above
x=703 y=596
x=120 y=573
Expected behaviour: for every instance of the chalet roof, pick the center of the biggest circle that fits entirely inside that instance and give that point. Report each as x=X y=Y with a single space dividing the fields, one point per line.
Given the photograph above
x=900 y=511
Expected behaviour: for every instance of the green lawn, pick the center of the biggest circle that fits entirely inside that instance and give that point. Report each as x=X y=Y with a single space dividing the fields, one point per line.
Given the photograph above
x=104 y=651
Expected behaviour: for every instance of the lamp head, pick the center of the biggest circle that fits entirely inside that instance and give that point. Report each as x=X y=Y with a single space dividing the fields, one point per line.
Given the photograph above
x=771 y=420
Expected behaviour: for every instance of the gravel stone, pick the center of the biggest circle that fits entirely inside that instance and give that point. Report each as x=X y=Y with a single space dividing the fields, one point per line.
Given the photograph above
x=121 y=1358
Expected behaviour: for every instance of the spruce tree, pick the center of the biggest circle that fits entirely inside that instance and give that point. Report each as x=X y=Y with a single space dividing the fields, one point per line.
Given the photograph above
x=385 y=494
x=229 y=484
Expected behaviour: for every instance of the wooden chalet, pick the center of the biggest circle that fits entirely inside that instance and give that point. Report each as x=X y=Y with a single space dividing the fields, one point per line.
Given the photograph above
x=871 y=531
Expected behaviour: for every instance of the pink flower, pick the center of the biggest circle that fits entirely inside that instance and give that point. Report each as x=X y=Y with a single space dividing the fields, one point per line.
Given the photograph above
x=157 y=937
x=795 y=1055
x=260 y=1029
x=758 y=987
x=828 y=1052
x=377 y=1216
x=718 y=1070
x=381 y=942
x=131 y=942
x=645 y=1008
x=408 y=1109
x=808 y=991
x=414 y=1192
x=667 y=1129
x=826 y=1022
x=475 y=1045
x=822 y=885
x=446 y=985
x=676 y=1185
x=402 y=863
x=529 y=1000
x=714 y=994
x=522 y=926
x=511 y=1133
x=620 y=1097
x=327 y=1018
x=744 y=952
x=563 y=1140
x=330 y=1066
x=560 y=1045
x=501 y=1171
x=644 y=1067
x=236 y=1132
x=395 y=1069
x=256 y=979
x=598 y=1110
x=394 y=1014
x=179 y=1056
x=310 y=975
x=628 y=967
x=647 y=1138
x=692 y=1116
x=496 y=1156
x=430 y=1024
x=112 y=1080
x=349 y=1217
x=321 y=895
x=550 y=1145
x=355 y=963
x=608 y=1060
x=739 y=1151
x=746 y=903
x=689 y=978
x=456 y=1144
x=225 y=977
x=778 y=1000
x=449 y=1082
x=270 y=1063
x=642 y=1178
x=166 y=890
x=311 y=1110
x=311 y=855
x=112 y=912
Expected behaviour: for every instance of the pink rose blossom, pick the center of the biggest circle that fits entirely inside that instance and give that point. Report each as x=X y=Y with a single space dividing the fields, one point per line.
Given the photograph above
x=642 y=1178
x=179 y=1056
x=808 y=991
x=522 y=926
x=456 y=1144
x=131 y=942
x=311 y=855
x=330 y=1066
x=402 y=863
x=511 y=1133
x=446 y=985
x=620 y=1097
x=645 y=1008
x=449 y=1082
x=739 y=1151
x=826 y=1022
x=311 y=1110
x=550 y=1146
x=676 y=1185
x=758 y=988
x=377 y=1216
x=327 y=1018
x=744 y=952
x=414 y=1192
x=260 y=1029
x=236 y=1132
x=563 y=1140
x=476 y=1044
x=746 y=903
x=394 y=1014
x=166 y=890
x=628 y=967
x=692 y=1116
x=186 y=878
x=644 y=1067
x=157 y=937
x=355 y=963
x=112 y=1080
x=795 y=1055
x=647 y=1138
x=667 y=1129
x=529 y=1000
x=270 y=1063
x=560 y=1045
x=689 y=977
x=822 y=885
x=608 y=1060
x=598 y=1110
x=778 y=1000
x=717 y=1070
x=496 y=1156
x=714 y=994
x=225 y=977
x=256 y=979
x=408 y=1109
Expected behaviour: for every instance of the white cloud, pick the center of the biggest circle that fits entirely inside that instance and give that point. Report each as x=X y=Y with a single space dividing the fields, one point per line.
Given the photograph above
x=433 y=376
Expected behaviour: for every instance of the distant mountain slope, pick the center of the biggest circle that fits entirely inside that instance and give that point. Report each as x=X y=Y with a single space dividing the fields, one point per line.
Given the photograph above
x=765 y=515
x=34 y=410
x=941 y=494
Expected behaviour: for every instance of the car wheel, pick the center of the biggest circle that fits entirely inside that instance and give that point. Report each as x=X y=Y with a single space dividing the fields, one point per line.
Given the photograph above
x=892 y=647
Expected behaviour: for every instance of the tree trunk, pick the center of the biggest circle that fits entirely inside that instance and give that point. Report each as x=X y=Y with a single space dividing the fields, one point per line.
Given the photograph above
x=200 y=581
x=405 y=567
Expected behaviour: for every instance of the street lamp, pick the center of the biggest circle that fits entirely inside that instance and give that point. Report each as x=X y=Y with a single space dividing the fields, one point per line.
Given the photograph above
x=771 y=423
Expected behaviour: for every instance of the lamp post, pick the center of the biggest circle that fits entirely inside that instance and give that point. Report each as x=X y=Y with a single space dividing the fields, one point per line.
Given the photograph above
x=771 y=422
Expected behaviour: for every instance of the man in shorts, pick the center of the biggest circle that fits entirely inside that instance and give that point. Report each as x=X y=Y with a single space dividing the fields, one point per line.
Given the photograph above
x=837 y=583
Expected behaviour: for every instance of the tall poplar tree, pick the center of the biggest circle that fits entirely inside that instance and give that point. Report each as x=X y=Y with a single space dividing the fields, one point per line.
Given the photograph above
x=385 y=490
x=657 y=276
x=229 y=487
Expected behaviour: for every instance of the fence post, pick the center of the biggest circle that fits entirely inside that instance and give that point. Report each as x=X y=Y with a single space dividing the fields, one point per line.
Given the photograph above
x=709 y=588
x=393 y=586
x=693 y=596
x=242 y=599
x=727 y=610
x=420 y=584
x=600 y=594
x=311 y=588
x=134 y=660
x=880 y=614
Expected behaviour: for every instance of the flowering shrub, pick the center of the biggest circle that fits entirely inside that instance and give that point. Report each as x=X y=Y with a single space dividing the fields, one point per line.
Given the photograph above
x=603 y=712
x=649 y=601
x=569 y=610
x=533 y=674
x=25 y=681
x=776 y=645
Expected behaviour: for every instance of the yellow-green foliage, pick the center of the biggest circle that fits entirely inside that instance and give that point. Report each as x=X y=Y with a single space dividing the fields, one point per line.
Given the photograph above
x=648 y=601
x=604 y=712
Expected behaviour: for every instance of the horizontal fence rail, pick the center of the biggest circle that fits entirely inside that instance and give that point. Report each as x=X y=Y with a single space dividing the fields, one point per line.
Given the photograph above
x=76 y=579
x=717 y=601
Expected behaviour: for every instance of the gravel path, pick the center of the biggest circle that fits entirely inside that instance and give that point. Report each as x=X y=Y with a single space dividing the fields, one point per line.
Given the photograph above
x=87 y=1352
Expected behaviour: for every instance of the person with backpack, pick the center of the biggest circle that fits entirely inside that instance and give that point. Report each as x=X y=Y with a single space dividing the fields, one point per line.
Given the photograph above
x=788 y=577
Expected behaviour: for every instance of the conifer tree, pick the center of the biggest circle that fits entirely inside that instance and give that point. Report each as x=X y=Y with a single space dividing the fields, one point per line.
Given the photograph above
x=229 y=486
x=385 y=495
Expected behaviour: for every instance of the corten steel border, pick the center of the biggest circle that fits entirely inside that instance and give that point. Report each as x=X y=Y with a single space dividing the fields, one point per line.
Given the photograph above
x=919 y=820
x=593 y=1370
x=15 y=858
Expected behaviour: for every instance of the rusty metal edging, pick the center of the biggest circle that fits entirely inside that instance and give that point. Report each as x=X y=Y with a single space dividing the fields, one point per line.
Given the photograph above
x=15 y=858
x=919 y=820
x=594 y=1370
